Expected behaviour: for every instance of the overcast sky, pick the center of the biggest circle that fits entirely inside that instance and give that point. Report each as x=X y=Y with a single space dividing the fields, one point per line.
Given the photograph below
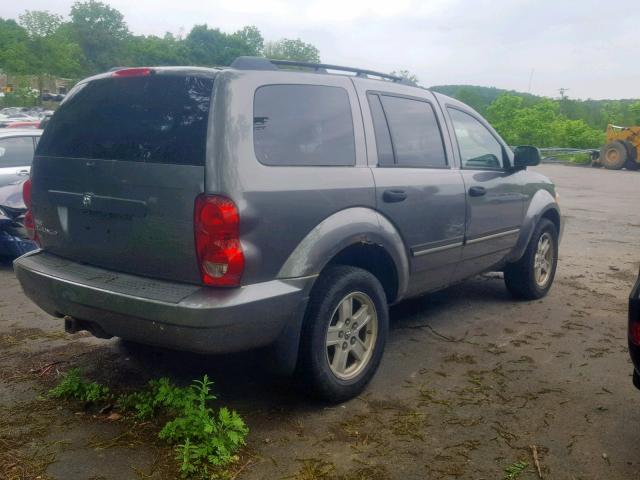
x=587 y=46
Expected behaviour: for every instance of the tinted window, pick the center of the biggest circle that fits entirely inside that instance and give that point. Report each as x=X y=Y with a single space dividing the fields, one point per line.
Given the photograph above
x=303 y=125
x=157 y=118
x=478 y=147
x=415 y=133
x=383 y=138
x=16 y=151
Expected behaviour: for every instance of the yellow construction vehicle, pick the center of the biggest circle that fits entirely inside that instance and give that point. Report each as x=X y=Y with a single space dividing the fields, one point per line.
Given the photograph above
x=622 y=149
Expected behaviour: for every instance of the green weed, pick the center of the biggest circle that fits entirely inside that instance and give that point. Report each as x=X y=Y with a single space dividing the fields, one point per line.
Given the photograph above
x=73 y=386
x=205 y=440
x=514 y=470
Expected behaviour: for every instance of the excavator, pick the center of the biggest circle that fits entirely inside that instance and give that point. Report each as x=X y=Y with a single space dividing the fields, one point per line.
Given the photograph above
x=622 y=149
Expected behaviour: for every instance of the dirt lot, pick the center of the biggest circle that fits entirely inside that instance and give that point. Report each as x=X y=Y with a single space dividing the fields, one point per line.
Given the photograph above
x=470 y=379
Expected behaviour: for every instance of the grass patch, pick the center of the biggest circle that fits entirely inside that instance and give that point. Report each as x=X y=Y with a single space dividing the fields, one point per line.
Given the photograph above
x=205 y=440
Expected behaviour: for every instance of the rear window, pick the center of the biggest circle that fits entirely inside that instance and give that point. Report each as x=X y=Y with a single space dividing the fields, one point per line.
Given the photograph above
x=156 y=119
x=303 y=125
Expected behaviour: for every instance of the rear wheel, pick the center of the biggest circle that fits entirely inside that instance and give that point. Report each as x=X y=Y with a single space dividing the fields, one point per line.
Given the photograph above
x=344 y=334
x=531 y=277
x=613 y=156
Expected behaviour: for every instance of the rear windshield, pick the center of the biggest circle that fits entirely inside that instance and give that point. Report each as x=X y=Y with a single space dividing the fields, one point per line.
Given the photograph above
x=156 y=118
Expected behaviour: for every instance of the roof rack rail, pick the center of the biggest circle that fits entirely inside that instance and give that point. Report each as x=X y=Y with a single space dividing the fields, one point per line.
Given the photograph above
x=261 y=63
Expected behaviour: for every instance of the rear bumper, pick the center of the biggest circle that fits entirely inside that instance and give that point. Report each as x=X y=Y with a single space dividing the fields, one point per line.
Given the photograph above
x=157 y=312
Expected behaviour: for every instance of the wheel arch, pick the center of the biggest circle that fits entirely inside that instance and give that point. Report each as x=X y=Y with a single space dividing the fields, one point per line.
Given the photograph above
x=542 y=205
x=345 y=237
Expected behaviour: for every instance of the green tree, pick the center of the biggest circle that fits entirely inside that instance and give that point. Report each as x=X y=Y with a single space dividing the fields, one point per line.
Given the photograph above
x=210 y=46
x=101 y=32
x=472 y=98
x=406 y=74
x=541 y=124
x=15 y=54
x=292 y=49
x=252 y=38
x=634 y=108
x=152 y=50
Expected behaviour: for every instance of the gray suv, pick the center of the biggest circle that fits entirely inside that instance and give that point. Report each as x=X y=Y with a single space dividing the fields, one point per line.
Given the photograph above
x=218 y=210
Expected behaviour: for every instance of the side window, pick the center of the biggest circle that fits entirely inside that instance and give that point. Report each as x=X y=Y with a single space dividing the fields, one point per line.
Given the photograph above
x=303 y=125
x=16 y=152
x=415 y=134
x=479 y=149
x=381 y=129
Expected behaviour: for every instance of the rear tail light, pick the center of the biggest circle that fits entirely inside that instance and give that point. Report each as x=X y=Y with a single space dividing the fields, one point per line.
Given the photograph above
x=220 y=255
x=29 y=222
x=634 y=314
x=634 y=333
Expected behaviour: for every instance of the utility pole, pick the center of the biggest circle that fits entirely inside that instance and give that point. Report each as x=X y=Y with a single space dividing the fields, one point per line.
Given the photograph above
x=563 y=92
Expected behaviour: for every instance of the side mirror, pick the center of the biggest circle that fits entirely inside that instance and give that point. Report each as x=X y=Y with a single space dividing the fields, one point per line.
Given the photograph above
x=526 y=156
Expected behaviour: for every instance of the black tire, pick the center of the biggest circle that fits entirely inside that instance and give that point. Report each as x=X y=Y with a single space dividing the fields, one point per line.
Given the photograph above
x=314 y=373
x=632 y=156
x=520 y=277
x=613 y=156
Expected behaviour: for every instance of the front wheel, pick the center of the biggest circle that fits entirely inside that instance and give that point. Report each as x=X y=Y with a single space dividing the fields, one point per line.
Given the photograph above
x=531 y=277
x=344 y=333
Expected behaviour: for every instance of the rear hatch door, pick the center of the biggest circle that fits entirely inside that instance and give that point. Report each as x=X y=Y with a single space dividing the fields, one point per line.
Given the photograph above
x=117 y=171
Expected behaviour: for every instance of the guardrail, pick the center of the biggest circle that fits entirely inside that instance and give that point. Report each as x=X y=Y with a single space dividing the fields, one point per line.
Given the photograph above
x=557 y=154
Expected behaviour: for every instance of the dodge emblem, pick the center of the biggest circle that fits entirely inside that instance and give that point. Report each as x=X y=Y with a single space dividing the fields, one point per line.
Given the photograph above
x=86 y=200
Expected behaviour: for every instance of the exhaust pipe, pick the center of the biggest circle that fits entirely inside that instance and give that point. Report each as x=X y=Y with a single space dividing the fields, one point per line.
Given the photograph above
x=75 y=325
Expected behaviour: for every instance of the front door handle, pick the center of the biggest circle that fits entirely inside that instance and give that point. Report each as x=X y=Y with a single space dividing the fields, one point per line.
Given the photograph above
x=393 y=196
x=477 y=191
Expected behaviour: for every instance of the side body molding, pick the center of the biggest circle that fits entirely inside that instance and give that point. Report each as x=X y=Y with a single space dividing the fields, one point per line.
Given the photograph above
x=540 y=204
x=340 y=230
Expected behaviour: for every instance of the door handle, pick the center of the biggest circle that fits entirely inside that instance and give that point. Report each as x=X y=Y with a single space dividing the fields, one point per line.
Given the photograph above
x=477 y=191
x=23 y=173
x=393 y=196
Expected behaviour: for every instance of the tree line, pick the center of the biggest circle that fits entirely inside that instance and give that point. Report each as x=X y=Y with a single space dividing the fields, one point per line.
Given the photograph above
x=522 y=118
x=95 y=38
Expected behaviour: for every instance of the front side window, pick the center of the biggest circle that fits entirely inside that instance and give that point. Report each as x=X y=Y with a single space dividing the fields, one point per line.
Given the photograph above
x=479 y=149
x=16 y=152
x=303 y=125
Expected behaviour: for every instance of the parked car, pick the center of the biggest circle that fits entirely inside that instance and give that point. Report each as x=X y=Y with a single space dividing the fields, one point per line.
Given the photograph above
x=634 y=331
x=16 y=153
x=218 y=210
x=25 y=125
x=14 y=240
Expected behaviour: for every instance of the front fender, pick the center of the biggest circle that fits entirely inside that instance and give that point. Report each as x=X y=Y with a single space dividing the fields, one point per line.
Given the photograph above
x=340 y=230
x=539 y=205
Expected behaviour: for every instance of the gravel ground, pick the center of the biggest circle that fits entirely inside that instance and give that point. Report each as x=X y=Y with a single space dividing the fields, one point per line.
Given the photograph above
x=470 y=381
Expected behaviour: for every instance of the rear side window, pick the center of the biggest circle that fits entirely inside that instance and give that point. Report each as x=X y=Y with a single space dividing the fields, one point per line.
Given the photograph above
x=303 y=125
x=415 y=133
x=381 y=129
x=16 y=151
x=156 y=118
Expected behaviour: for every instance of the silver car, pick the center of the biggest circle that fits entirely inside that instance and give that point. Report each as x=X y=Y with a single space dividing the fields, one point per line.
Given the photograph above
x=16 y=153
x=273 y=204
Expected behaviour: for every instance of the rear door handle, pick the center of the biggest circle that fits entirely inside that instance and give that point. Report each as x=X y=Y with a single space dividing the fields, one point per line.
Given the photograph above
x=23 y=173
x=477 y=191
x=393 y=196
